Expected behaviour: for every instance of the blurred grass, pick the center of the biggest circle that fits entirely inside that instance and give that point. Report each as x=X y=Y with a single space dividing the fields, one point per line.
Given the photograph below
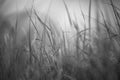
x=51 y=56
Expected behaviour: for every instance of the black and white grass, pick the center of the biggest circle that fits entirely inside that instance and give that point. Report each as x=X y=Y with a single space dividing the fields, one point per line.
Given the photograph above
x=36 y=46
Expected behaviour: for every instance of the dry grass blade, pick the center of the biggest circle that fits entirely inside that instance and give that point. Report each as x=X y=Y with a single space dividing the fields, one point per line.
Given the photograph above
x=40 y=20
x=77 y=40
x=116 y=14
x=84 y=41
x=115 y=8
x=69 y=77
x=68 y=13
x=89 y=19
x=33 y=24
x=29 y=37
x=53 y=39
x=74 y=36
x=16 y=24
x=106 y=27
x=29 y=43
x=64 y=43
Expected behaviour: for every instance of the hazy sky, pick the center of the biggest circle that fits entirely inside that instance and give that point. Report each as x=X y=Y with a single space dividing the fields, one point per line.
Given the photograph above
x=54 y=8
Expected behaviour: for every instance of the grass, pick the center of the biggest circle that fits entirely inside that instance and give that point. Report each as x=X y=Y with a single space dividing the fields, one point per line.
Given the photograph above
x=52 y=56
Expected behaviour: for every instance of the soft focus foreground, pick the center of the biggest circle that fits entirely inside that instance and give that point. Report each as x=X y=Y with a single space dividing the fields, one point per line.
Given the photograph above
x=35 y=46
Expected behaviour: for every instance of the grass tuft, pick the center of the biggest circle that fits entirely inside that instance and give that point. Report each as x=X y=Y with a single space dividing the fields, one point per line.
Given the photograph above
x=52 y=56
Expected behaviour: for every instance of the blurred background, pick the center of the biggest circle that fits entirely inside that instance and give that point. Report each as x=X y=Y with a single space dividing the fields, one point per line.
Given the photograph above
x=59 y=39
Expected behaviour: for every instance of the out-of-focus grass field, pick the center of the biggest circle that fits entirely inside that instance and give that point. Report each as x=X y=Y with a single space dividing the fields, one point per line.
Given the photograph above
x=49 y=54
